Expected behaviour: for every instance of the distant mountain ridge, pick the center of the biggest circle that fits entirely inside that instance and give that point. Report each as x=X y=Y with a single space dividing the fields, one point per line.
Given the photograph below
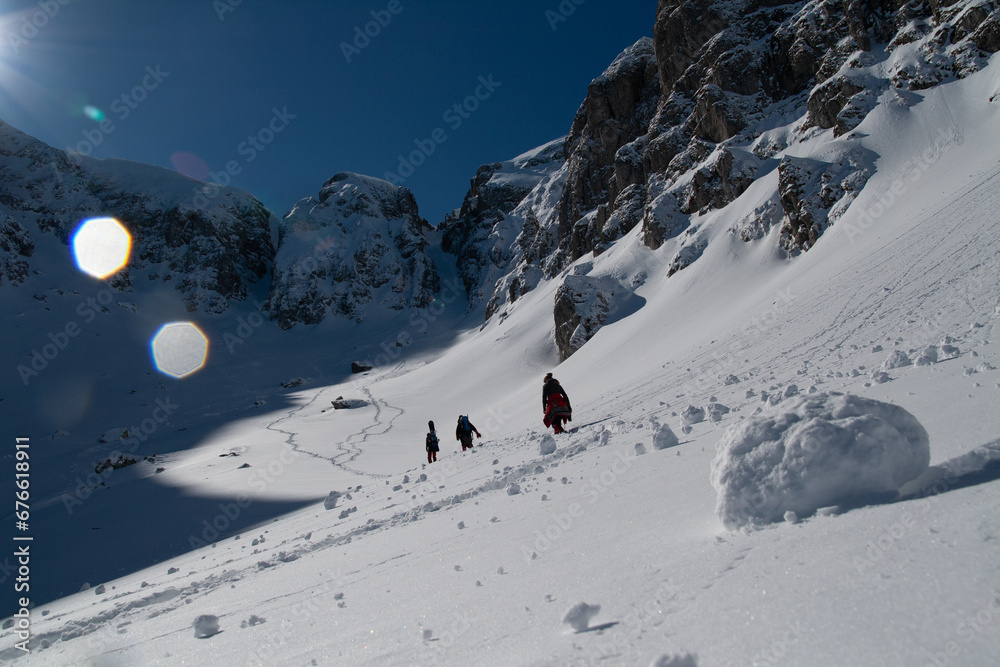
x=723 y=97
x=213 y=255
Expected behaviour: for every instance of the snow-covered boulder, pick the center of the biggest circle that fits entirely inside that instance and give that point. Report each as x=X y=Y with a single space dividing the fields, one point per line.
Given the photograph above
x=949 y=352
x=815 y=451
x=113 y=435
x=880 y=377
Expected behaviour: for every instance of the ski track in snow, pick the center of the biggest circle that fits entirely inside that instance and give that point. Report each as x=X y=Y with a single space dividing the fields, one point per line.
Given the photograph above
x=173 y=597
x=350 y=448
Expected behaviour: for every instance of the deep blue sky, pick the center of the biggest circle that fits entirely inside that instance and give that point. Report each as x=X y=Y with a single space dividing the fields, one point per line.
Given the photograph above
x=224 y=77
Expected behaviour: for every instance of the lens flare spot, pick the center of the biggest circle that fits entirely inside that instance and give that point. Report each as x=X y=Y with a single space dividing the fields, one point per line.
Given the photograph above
x=101 y=247
x=179 y=349
x=93 y=113
x=190 y=165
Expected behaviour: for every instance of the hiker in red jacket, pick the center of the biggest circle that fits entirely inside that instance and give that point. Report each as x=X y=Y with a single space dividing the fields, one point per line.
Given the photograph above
x=555 y=404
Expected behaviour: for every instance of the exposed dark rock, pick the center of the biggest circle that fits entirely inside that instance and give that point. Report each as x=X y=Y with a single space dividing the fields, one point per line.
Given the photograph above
x=828 y=99
x=358 y=367
x=987 y=34
x=814 y=194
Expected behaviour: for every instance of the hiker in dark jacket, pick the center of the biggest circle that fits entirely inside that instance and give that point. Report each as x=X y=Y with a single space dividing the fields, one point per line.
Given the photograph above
x=555 y=404
x=464 y=431
x=432 y=444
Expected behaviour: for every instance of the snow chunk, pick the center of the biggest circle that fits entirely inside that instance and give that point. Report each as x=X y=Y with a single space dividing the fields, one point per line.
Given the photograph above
x=817 y=450
x=331 y=500
x=579 y=615
x=949 y=352
x=897 y=359
x=880 y=377
x=663 y=438
x=205 y=626
x=513 y=489
x=692 y=415
x=716 y=411
x=731 y=380
x=547 y=445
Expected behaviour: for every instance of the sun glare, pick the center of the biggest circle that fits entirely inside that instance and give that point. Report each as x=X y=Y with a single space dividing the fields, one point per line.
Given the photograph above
x=179 y=349
x=101 y=247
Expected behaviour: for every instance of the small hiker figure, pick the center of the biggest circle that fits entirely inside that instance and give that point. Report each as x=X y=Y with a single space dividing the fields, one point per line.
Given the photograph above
x=555 y=404
x=433 y=446
x=464 y=432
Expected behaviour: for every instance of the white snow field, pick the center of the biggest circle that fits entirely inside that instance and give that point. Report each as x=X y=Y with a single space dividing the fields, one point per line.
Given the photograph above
x=478 y=558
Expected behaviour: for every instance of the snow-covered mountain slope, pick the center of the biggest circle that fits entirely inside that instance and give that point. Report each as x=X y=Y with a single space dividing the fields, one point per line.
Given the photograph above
x=361 y=241
x=211 y=243
x=478 y=562
x=724 y=108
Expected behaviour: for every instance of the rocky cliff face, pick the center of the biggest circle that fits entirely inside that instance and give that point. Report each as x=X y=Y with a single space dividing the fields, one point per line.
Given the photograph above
x=683 y=124
x=360 y=242
x=211 y=248
x=497 y=233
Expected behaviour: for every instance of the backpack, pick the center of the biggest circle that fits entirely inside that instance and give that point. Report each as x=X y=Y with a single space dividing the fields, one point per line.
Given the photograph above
x=464 y=425
x=432 y=442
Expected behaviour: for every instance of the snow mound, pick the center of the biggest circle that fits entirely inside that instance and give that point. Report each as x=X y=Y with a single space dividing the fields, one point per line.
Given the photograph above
x=814 y=451
x=579 y=615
